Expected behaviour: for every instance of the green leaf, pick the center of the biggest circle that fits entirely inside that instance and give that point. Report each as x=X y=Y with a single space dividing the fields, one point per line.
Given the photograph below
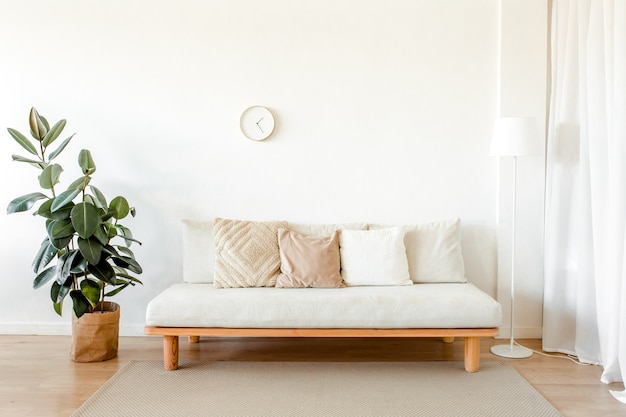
x=116 y=290
x=37 y=126
x=79 y=266
x=24 y=202
x=100 y=199
x=86 y=163
x=61 y=243
x=58 y=307
x=58 y=150
x=45 y=210
x=111 y=250
x=126 y=251
x=126 y=233
x=91 y=249
x=38 y=164
x=53 y=133
x=107 y=216
x=80 y=304
x=103 y=271
x=43 y=277
x=126 y=276
x=46 y=253
x=128 y=241
x=64 y=266
x=45 y=122
x=58 y=293
x=91 y=291
x=101 y=234
x=79 y=184
x=120 y=207
x=88 y=198
x=128 y=263
x=85 y=218
x=58 y=229
x=23 y=141
x=54 y=291
x=111 y=230
x=50 y=176
x=63 y=199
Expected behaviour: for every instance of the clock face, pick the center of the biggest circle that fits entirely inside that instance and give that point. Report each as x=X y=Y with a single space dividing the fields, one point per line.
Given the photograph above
x=257 y=123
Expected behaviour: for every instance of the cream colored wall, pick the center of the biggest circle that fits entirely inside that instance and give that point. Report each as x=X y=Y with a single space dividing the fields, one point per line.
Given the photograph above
x=384 y=114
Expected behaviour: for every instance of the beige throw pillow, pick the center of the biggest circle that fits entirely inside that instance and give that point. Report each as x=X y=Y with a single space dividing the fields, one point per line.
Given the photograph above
x=246 y=253
x=308 y=261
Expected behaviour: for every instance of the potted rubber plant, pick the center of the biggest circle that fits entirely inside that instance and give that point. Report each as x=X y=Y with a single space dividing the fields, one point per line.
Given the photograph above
x=85 y=252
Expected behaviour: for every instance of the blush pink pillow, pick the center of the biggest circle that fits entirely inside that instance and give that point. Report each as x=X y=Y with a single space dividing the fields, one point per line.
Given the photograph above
x=309 y=261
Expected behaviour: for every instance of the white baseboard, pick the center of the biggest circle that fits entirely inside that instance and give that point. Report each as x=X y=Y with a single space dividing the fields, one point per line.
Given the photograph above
x=49 y=329
x=55 y=329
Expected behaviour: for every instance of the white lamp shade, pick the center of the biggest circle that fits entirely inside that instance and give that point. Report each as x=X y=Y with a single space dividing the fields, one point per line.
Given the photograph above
x=515 y=136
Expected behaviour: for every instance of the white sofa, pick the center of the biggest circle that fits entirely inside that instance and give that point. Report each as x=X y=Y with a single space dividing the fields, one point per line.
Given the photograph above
x=402 y=281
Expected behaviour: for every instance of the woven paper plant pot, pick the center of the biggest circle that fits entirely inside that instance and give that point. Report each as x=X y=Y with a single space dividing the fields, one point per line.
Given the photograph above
x=95 y=335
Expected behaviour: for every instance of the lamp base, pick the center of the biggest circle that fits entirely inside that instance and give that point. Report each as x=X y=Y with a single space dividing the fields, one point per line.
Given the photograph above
x=515 y=352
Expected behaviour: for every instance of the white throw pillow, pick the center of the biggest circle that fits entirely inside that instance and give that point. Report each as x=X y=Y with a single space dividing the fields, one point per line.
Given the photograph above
x=198 y=251
x=374 y=257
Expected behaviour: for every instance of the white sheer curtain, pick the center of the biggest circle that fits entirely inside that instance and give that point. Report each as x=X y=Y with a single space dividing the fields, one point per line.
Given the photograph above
x=585 y=255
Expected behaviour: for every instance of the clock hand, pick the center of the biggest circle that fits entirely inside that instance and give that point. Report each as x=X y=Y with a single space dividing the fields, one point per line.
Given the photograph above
x=259 y=126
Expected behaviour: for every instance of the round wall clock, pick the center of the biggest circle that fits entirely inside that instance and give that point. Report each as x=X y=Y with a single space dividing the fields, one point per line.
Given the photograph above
x=257 y=123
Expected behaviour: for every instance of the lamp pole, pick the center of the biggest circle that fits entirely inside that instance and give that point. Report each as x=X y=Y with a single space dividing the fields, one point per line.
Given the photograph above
x=512 y=350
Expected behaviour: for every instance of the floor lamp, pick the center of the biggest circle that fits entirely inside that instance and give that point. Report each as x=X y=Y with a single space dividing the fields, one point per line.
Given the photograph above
x=513 y=137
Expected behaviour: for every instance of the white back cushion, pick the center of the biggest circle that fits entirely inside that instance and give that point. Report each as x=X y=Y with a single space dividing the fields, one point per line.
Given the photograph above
x=434 y=251
x=323 y=229
x=198 y=251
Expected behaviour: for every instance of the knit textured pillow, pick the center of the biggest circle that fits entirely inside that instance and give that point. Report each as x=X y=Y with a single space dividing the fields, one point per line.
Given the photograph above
x=246 y=253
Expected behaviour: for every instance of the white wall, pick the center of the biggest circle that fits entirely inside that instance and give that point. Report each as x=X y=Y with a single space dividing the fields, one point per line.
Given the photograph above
x=384 y=114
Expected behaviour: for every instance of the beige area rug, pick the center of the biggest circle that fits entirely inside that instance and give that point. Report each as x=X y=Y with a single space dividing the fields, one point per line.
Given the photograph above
x=358 y=389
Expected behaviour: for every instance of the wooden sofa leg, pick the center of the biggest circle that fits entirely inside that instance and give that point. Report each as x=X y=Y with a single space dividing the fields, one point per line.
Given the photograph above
x=448 y=339
x=194 y=339
x=472 y=354
x=170 y=352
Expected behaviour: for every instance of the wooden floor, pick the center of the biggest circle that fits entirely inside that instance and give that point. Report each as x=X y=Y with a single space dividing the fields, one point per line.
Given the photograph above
x=38 y=379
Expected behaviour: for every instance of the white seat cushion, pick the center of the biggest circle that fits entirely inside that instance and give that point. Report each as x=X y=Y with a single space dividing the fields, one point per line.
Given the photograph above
x=452 y=305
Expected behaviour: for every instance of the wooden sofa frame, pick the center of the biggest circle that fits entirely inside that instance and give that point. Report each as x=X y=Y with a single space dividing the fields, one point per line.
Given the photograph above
x=171 y=336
